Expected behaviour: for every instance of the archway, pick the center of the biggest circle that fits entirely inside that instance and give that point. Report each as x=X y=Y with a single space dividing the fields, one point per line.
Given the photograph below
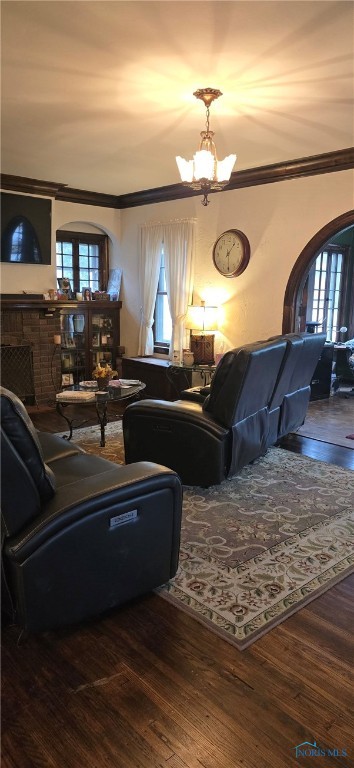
x=302 y=265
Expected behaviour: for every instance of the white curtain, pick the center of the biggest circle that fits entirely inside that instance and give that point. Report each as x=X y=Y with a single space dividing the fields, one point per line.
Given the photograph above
x=150 y=259
x=179 y=269
x=177 y=238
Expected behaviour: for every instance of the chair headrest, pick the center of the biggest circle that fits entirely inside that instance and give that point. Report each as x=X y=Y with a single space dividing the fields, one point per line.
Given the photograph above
x=19 y=430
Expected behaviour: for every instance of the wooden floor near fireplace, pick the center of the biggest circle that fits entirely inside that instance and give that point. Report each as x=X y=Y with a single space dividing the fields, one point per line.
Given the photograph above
x=164 y=692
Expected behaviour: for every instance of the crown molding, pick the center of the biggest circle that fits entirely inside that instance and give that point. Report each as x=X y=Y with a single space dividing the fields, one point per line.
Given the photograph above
x=58 y=191
x=85 y=197
x=30 y=186
x=329 y=162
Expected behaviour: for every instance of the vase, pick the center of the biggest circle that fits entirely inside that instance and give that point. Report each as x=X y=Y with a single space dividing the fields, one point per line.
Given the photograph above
x=103 y=381
x=188 y=357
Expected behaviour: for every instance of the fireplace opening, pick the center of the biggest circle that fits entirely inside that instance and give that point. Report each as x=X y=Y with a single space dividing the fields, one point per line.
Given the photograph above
x=17 y=371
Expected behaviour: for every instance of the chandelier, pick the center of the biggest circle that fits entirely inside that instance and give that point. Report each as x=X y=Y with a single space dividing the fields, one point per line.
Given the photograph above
x=205 y=172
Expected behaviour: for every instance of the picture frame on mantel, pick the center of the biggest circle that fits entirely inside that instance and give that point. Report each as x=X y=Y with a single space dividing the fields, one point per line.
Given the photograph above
x=114 y=283
x=65 y=287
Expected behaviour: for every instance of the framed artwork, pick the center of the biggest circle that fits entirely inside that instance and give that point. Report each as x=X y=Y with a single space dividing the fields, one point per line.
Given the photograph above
x=65 y=286
x=67 y=379
x=86 y=294
x=68 y=340
x=114 y=283
x=25 y=229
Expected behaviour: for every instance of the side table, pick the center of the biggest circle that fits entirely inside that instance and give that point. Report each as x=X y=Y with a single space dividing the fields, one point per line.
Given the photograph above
x=205 y=372
x=99 y=398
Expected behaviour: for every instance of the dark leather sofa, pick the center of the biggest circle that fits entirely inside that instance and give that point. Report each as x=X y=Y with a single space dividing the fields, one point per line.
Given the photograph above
x=258 y=394
x=291 y=395
x=80 y=534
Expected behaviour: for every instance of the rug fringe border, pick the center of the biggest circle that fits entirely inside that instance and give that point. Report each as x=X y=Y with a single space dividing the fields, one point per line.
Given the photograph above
x=245 y=643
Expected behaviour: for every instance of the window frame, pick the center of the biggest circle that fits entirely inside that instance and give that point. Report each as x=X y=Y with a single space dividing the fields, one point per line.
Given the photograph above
x=86 y=238
x=331 y=251
x=160 y=347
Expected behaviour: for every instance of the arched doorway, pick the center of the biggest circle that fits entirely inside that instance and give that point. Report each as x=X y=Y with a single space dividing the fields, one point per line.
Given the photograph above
x=299 y=273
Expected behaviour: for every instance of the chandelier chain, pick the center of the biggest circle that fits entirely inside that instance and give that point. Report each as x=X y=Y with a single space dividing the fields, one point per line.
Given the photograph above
x=207 y=119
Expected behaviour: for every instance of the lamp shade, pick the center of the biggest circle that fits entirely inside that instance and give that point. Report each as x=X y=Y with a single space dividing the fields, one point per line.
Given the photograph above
x=202 y=318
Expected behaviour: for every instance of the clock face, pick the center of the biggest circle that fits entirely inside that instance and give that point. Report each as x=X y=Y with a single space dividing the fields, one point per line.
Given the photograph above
x=231 y=253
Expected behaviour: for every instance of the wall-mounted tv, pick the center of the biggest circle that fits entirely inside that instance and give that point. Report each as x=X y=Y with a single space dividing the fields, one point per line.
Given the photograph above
x=26 y=225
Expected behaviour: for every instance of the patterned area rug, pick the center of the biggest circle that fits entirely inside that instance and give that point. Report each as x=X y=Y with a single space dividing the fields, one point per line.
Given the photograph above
x=259 y=546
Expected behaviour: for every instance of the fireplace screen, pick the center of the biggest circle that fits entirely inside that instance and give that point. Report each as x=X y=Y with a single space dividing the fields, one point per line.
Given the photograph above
x=17 y=371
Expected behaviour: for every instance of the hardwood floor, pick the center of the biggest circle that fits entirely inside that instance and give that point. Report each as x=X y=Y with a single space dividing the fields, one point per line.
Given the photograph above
x=316 y=449
x=323 y=435
x=147 y=686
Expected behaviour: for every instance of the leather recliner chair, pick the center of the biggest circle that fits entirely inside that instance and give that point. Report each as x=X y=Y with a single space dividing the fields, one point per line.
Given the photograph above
x=81 y=534
x=207 y=442
x=291 y=396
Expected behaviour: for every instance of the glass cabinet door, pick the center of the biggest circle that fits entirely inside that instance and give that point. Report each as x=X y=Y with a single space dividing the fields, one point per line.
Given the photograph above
x=89 y=336
x=73 y=354
x=102 y=338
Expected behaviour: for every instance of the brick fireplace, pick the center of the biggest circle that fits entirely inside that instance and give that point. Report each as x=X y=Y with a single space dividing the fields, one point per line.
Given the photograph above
x=34 y=323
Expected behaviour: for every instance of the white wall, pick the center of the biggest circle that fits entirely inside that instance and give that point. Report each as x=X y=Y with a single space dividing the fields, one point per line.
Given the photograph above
x=279 y=219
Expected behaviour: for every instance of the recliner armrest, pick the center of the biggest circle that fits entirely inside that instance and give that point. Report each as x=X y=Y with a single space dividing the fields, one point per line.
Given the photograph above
x=55 y=447
x=99 y=494
x=197 y=394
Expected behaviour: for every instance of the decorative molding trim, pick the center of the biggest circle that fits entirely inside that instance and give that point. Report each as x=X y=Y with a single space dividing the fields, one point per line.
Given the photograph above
x=341 y=160
x=25 y=301
x=29 y=186
x=329 y=162
x=85 y=197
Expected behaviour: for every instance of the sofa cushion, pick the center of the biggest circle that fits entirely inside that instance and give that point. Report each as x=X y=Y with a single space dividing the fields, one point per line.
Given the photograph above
x=20 y=431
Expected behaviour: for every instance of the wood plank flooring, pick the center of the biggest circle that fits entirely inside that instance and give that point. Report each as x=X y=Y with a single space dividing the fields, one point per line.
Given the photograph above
x=148 y=687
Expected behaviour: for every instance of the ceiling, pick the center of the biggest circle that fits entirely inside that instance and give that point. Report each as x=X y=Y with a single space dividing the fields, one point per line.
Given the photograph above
x=99 y=95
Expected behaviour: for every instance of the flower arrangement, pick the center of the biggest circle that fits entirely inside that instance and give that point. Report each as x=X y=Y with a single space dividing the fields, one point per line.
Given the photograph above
x=103 y=372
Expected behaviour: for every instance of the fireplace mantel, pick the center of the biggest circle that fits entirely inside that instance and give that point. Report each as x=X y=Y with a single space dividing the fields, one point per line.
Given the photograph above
x=22 y=303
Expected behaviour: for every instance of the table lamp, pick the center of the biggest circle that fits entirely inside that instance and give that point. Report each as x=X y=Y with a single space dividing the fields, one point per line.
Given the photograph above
x=203 y=319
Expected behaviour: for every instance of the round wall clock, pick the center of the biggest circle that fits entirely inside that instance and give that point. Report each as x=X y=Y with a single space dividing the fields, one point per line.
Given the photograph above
x=231 y=253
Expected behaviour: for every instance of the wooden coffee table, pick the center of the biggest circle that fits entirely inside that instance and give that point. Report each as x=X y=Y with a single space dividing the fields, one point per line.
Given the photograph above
x=77 y=396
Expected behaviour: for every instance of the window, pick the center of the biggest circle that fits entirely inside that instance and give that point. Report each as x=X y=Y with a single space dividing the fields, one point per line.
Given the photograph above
x=324 y=290
x=162 y=328
x=20 y=242
x=83 y=258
